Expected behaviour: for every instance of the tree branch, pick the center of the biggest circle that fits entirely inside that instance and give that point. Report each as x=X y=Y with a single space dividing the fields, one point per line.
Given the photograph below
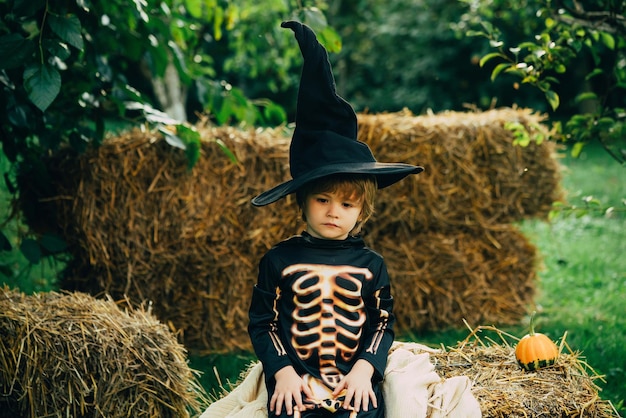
x=609 y=21
x=613 y=29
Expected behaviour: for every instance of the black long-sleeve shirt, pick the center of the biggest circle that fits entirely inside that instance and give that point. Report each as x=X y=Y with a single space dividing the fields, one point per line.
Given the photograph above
x=319 y=306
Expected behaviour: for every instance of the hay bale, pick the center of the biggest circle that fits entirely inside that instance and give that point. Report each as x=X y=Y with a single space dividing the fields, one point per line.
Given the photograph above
x=140 y=225
x=473 y=175
x=440 y=279
x=72 y=355
x=505 y=390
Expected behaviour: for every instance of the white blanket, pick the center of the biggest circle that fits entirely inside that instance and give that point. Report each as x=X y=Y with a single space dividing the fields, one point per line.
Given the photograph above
x=411 y=388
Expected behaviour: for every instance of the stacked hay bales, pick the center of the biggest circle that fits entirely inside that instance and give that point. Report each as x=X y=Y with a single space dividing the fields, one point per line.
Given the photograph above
x=139 y=224
x=448 y=234
x=71 y=355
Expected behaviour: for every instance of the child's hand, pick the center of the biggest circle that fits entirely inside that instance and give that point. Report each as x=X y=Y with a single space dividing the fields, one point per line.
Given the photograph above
x=358 y=386
x=289 y=388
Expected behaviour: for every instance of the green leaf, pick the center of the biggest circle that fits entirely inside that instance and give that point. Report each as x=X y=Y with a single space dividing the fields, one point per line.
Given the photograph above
x=274 y=114
x=550 y=23
x=172 y=139
x=594 y=73
x=134 y=94
x=43 y=84
x=15 y=50
x=487 y=26
x=491 y=56
x=159 y=58
x=330 y=39
x=226 y=150
x=53 y=244
x=608 y=40
x=553 y=99
x=520 y=134
x=187 y=138
x=188 y=134
x=498 y=69
x=528 y=45
x=592 y=201
x=5 y=244
x=178 y=58
x=586 y=96
x=83 y=4
x=475 y=33
x=193 y=154
x=31 y=250
x=516 y=71
x=577 y=149
x=27 y=8
x=605 y=123
x=218 y=18
x=57 y=48
x=553 y=214
x=581 y=212
x=151 y=114
x=315 y=18
x=67 y=28
x=194 y=8
x=191 y=137
x=232 y=16
x=225 y=111
x=140 y=6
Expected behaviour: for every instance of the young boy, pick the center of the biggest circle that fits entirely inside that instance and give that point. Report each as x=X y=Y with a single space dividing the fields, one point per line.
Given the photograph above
x=321 y=312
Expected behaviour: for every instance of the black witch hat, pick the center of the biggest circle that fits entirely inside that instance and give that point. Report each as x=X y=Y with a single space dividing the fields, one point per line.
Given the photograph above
x=324 y=141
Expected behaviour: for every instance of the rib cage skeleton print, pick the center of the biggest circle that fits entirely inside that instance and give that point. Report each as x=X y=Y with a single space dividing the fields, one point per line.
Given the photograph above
x=328 y=315
x=321 y=317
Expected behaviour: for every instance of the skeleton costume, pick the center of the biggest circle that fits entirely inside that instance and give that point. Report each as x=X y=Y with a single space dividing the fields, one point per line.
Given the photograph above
x=320 y=305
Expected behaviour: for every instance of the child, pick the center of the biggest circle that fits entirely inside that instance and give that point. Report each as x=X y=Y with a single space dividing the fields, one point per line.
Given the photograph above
x=321 y=312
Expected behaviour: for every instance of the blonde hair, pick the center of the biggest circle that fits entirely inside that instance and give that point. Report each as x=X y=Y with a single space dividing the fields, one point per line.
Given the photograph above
x=362 y=186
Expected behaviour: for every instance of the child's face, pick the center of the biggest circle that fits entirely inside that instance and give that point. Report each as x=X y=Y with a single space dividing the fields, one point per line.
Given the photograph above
x=331 y=215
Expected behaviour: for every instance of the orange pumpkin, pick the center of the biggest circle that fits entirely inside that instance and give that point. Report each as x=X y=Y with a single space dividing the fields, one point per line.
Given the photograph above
x=535 y=350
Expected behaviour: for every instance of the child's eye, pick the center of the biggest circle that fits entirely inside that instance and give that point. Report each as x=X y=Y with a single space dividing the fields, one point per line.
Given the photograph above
x=347 y=205
x=322 y=200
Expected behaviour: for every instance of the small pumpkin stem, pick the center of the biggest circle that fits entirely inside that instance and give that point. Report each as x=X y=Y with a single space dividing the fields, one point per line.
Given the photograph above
x=532 y=323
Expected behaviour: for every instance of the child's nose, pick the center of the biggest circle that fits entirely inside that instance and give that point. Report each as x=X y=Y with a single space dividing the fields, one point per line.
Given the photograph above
x=332 y=210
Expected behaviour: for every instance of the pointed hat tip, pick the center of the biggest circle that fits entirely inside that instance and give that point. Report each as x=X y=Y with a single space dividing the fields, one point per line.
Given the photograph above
x=325 y=138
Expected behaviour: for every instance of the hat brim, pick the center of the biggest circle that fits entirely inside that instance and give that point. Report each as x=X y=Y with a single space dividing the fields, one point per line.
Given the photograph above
x=386 y=174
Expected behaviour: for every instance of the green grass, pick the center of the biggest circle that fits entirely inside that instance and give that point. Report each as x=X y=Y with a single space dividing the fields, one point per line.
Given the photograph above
x=581 y=288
